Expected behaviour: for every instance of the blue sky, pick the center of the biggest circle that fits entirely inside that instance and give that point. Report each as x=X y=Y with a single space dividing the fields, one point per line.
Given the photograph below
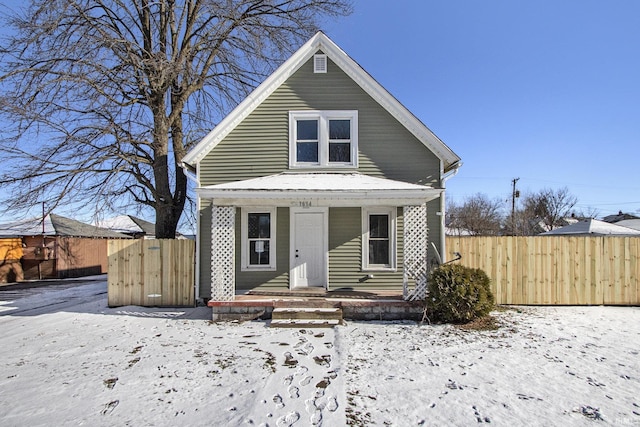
x=547 y=91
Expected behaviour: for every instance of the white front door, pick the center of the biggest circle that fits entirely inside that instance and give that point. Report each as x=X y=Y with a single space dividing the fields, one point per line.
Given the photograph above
x=308 y=247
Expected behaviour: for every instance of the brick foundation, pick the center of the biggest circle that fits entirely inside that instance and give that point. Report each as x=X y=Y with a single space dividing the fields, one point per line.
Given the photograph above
x=352 y=310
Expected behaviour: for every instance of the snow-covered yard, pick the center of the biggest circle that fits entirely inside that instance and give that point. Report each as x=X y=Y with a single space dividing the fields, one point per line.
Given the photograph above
x=77 y=362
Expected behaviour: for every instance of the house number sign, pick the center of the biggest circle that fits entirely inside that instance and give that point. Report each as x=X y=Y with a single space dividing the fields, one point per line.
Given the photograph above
x=302 y=204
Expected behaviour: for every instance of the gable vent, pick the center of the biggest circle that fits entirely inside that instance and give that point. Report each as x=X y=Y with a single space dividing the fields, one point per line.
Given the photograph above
x=319 y=63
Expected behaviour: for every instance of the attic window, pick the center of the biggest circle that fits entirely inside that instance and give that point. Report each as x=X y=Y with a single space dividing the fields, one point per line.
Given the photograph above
x=323 y=138
x=319 y=63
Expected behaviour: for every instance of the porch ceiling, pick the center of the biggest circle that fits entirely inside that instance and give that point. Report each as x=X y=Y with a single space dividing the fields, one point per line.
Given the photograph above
x=322 y=188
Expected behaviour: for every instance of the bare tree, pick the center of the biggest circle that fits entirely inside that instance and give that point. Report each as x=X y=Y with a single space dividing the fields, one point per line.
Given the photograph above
x=478 y=215
x=104 y=97
x=588 y=213
x=548 y=208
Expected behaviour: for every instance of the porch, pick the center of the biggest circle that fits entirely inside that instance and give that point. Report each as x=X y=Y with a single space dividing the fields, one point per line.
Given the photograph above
x=355 y=305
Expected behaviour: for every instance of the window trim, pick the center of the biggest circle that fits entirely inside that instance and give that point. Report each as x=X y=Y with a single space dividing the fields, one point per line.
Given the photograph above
x=244 y=221
x=323 y=118
x=392 y=212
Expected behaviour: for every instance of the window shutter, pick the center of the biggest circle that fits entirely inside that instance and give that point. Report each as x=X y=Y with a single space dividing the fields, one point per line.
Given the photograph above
x=319 y=63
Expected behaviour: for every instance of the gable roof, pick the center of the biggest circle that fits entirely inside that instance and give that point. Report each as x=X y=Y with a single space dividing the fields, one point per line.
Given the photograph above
x=593 y=227
x=56 y=225
x=321 y=42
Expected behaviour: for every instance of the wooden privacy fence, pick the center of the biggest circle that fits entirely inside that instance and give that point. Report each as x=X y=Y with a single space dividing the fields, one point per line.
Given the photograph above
x=155 y=272
x=555 y=270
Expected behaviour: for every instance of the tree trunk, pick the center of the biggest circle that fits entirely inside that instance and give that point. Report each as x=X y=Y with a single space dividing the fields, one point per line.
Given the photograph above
x=109 y=120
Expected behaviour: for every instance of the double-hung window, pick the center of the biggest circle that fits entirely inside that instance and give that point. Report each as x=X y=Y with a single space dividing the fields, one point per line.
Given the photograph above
x=379 y=238
x=323 y=139
x=258 y=239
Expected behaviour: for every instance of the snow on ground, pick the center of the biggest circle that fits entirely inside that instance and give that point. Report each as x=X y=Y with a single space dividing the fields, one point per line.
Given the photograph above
x=68 y=359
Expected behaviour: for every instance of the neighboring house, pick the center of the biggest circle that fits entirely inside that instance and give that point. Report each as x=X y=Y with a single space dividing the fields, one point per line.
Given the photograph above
x=458 y=232
x=319 y=179
x=59 y=247
x=133 y=226
x=129 y=225
x=538 y=226
x=10 y=255
x=620 y=216
x=630 y=223
x=593 y=227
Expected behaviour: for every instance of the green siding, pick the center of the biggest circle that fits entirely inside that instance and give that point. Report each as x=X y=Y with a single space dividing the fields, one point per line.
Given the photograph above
x=246 y=280
x=259 y=146
x=434 y=226
x=204 y=242
x=345 y=253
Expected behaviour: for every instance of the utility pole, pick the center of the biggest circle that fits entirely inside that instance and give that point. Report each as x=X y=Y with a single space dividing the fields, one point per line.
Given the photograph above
x=514 y=195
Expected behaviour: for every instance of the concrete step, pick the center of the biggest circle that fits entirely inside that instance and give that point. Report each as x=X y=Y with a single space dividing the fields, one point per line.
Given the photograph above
x=304 y=323
x=305 y=302
x=307 y=313
x=312 y=317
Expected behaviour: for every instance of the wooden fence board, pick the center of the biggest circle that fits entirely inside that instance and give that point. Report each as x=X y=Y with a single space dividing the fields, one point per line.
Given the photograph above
x=555 y=270
x=154 y=272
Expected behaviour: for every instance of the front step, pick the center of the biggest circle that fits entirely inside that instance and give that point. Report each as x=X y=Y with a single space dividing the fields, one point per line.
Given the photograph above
x=306 y=317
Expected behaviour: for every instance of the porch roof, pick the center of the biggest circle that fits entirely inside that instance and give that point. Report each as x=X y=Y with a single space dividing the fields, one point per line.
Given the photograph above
x=342 y=189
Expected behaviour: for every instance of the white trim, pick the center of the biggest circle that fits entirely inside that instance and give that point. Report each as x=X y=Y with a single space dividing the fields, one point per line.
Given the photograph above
x=344 y=201
x=321 y=42
x=319 y=189
x=199 y=234
x=323 y=117
x=222 y=260
x=292 y=242
x=244 y=257
x=392 y=212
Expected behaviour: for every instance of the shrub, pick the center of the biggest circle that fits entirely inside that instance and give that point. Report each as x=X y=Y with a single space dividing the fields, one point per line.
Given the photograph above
x=458 y=294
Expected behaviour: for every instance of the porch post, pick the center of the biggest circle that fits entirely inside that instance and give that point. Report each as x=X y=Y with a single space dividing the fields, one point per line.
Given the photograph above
x=223 y=242
x=415 y=240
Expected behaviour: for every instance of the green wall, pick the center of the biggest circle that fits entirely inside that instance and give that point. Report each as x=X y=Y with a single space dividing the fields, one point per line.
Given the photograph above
x=259 y=146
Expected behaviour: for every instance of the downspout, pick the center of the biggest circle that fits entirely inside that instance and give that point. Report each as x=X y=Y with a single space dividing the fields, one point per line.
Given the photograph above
x=453 y=171
x=193 y=174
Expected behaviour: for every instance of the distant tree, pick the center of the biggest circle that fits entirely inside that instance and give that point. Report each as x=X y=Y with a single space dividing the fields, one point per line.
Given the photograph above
x=588 y=213
x=478 y=215
x=546 y=208
x=104 y=97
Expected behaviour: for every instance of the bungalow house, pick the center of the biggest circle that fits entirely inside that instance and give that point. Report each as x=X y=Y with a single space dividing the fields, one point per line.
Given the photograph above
x=319 y=180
